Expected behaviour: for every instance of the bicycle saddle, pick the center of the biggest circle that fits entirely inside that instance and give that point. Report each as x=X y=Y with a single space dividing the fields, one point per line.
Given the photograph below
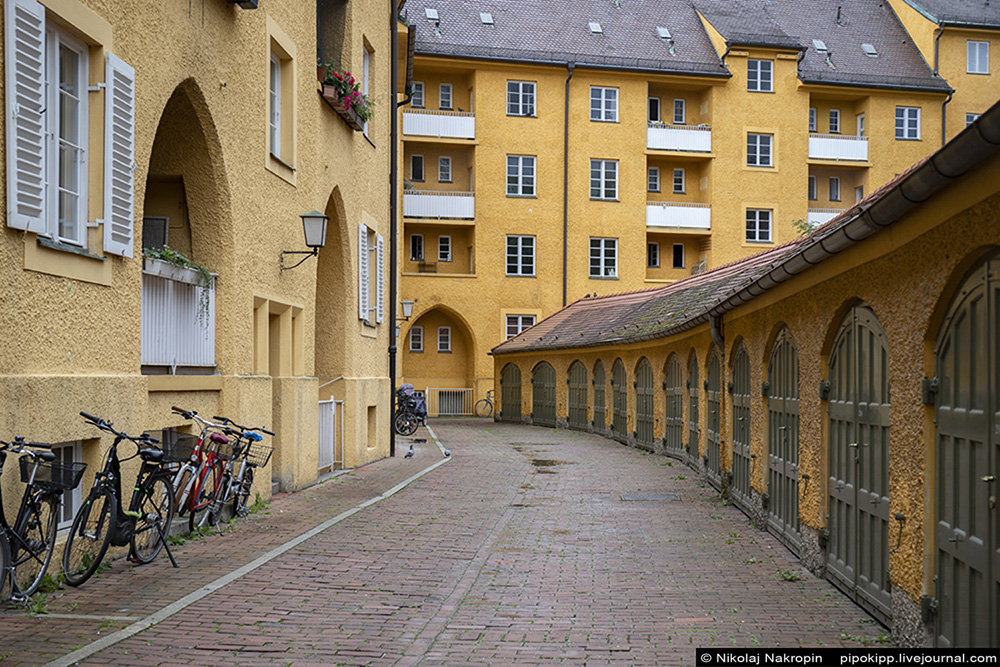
x=151 y=454
x=219 y=438
x=256 y=437
x=45 y=455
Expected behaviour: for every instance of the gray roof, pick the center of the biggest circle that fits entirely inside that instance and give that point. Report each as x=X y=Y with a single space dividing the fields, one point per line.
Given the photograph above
x=747 y=23
x=984 y=13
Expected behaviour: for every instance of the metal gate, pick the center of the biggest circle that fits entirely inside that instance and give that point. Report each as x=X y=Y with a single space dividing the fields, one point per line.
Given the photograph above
x=577 y=401
x=858 y=484
x=693 y=428
x=331 y=436
x=644 y=403
x=619 y=398
x=673 y=435
x=713 y=397
x=543 y=395
x=740 y=490
x=600 y=402
x=968 y=464
x=449 y=402
x=510 y=393
x=783 y=441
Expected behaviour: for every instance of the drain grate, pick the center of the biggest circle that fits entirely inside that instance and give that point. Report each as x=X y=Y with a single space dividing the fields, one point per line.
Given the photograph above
x=630 y=497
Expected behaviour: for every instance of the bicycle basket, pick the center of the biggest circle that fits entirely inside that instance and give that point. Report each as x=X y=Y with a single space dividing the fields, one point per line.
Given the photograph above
x=53 y=474
x=258 y=454
x=176 y=446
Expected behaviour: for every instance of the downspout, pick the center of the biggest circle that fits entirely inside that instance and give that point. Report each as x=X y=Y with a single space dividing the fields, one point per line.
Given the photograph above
x=937 y=40
x=944 y=118
x=944 y=110
x=394 y=9
x=569 y=68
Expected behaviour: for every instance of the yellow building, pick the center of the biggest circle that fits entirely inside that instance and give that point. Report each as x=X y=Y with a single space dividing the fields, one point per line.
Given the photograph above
x=841 y=389
x=558 y=150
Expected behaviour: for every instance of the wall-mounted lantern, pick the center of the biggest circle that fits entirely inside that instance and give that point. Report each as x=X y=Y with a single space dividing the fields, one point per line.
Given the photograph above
x=314 y=229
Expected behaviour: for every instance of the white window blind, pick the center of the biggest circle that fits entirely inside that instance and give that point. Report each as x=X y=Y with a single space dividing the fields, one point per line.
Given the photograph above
x=363 y=271
x=119 y=157
x=380 y=280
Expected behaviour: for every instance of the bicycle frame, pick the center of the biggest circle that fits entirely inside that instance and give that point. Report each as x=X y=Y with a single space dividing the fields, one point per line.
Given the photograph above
x=200 y=462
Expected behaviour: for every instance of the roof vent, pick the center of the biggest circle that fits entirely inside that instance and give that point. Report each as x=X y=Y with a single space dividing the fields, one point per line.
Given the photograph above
x=663 y=32
x=869 y=50
x=819 y=45
x=431 y=14
x=486 y=18
x=595 y=28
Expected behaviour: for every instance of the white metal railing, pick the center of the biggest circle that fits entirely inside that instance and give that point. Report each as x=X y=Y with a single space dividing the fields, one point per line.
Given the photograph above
x=690 y=138
x=173 y=331
x=441 y=124
x=449 y=402
x=331 y=435
x=678 y=215
x=817 y=216
x=838 y=147
x=417 y=204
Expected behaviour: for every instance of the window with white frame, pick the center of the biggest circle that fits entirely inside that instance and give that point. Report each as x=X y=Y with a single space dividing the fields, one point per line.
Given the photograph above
x=834 y=121
x=518 y=323
x=416 y=247
x=834 y=188
x=971 y=118
x=444 y=248
x=274 y=96
x=416 y=338
x=758 y=225
x=760 y=76
x=908 y=123
x=417 y=168
x=604 y=179
x=679 y=179
x=520 y=255
x=977 y=57
x=759 y=150
x=371 y=275
x=68 y=454
x=678 y=256
x=603 y=257
x=444 y=169
x=652 y=255
x=653 y=180
x=812 y=189
x=860 y=124
x=603 y=104
x=444 y=339
x=859 y=193
x=654 y=109
x=812 y=119
x=680 y=111
x=520 y=98
x=521 y=176
x=444 y=96
x=417 y=95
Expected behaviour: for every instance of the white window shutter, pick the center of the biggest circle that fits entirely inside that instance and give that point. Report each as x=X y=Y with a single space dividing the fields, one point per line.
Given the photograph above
x=24 y=22
x=119 y=157
x=380 y=269
x=363 y=271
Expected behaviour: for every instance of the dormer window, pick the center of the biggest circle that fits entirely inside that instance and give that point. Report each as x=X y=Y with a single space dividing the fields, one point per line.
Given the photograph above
x=431 y=14
x=595 y=28
x=869 y=50
x=663 y=33
x=486 y=18
x=820 y=46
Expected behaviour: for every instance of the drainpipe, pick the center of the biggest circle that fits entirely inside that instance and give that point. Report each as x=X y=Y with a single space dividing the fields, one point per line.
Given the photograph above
x=394 y=9
x=937 y=40
x=569 y=68
x=944 y=118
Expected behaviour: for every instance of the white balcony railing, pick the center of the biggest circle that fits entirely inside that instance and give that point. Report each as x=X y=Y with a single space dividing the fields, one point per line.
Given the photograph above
x=817 y=216
x=688 y=138
x=460 y=205
x=174 y=333
x=441 y=124
x=678 y=215
x=838 y=147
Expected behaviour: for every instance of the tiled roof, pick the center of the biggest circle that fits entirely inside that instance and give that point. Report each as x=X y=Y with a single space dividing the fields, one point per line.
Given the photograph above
x=972 y=12
x=746 y=23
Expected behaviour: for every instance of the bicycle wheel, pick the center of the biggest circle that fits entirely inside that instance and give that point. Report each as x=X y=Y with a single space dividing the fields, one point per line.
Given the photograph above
x=31 y=548
x=4 y=563
x=89 y=537
x=405 y=423
x=484 y=407
x=180 y=486
x=241 y=504
x=206 y=489
x=156 y=509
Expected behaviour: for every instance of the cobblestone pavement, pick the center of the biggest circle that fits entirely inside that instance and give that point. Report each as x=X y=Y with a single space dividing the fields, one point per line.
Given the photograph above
x=519 y=551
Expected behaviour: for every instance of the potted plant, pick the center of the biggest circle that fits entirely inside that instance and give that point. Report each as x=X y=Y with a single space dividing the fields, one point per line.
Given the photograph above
x=167 y=263
x=343 y=93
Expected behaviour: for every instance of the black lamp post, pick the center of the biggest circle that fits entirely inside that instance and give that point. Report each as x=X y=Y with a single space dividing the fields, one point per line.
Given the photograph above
x=314 y=229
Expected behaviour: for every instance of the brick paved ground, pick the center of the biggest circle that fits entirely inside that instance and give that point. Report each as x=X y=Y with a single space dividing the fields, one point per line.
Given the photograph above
x=520 y=551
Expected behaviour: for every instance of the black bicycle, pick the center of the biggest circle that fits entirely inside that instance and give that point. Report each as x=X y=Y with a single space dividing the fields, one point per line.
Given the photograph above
x=26 y=549
x=102 y=521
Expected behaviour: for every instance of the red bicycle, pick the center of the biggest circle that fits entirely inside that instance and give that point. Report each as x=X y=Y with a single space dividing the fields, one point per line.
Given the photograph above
x=199 y=480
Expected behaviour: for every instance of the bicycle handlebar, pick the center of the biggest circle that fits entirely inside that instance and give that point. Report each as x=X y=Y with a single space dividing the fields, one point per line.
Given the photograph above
x=107 y=425
x=227 y=420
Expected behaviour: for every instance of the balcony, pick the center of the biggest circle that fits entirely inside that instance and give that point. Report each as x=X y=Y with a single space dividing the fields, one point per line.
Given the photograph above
x=178 y=318
x=818 y=216
x=440 y=124
x=685 y=138
x=675 y=215
x=457 y=205
x=838 y=147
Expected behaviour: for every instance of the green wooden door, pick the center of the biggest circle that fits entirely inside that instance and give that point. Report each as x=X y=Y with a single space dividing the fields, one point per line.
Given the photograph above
x=510 y=393
x=713 y=400
x=600 y=402
x=740 y=490
x=644 y=403
x=693 y=428
x=619 y=398
x=543 y=395
x=673 y=389
x=783 y=441
x=577 y=381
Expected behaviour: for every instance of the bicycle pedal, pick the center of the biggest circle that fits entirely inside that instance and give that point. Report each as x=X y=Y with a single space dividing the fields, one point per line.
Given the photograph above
x=134 y=515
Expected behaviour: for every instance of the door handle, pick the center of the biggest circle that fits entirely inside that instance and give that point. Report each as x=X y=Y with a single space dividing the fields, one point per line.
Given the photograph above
x=989 y=479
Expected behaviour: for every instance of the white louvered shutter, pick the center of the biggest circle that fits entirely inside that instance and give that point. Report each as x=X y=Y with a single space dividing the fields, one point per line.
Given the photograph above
x=119 y=157
x=380 y=285
x=363 y=281
x=24 y=22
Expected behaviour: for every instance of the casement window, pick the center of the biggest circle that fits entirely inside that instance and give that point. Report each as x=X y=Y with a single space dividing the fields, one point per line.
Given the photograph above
x=860 y=124
x=604 y=104
x=520 y=98
x=908 y=123
x=444 y=339
x=977 y=57
x=417 y=96
x=603 y=258
x=679 y=186
x=678 y=256
x=654 y=110
x=759 y=150
x=652 y=255
x=604 y=179
x=274 y=100
x=444 y=248
x=680 y=111
x=812 y=188
x=760 y=76
x=971 y=118
x=444 y=169
x=67 y=454
x=416 y=247
x=521 y=176
x=834 y=121
x=49 y=145
x=859 y=193
x=518 y=323
x=416 y=338
x=417 y=168
x=371 y=275
x=834 y=188
x=653 y=179
x=812 y=119
x=444 y=96
x=520 y=255
x=758 y=225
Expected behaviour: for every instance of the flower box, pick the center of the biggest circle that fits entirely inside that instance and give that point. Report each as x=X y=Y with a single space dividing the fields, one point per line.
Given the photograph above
x=157 y=267
x=344 y=110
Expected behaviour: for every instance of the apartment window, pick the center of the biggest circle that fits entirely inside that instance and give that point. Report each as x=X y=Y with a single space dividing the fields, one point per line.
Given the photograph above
x=416 y=339
x=604 y=104
x=444 y=248
x=416 y=247
x=859 y=193
x=417 y=96
x=417 y=168
x=680 y=112
x=444 y=96
x=520 y=176
x=604 y=179
x=444 y=169
x=860 y=121
x=812 y=188
x=518 y=323
x=67 y=454
x=759 y=150
x=520 y=255
x=834 y=188
x=678 y=181
x=678 y=256
x=603 y=258
x=653 y=182
x=970 y=118
x=654 y=109
x=653 y=255
x=834 y=121
x=520 y=98
x=978 y=57
x=812 y=119
x=760 y=76
x=275 y=104
x=444 y=339
x=758 y=225
x=908 y=123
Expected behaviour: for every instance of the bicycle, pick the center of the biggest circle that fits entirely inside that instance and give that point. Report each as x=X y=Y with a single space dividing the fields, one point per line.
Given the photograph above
x=26 y=549
x=199 y=481
x=236 y=488
x=411 y=411
x=484 y=406
x=102 y=521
